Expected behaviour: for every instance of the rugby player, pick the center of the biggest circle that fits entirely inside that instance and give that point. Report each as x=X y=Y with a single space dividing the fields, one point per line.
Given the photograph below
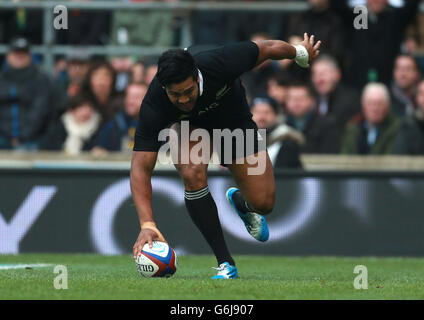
x=204 y=89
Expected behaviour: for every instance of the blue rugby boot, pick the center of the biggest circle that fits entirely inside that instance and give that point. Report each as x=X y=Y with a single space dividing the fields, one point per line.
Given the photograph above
x=226 y=271
x=255 y=223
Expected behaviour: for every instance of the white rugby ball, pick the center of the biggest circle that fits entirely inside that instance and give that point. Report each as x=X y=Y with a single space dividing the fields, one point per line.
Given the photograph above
x=158 y=261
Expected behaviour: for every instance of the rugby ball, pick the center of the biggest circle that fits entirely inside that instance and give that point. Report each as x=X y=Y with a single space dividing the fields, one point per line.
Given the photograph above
x=158 y=261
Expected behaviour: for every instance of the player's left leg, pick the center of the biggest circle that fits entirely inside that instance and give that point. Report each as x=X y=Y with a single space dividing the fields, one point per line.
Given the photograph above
x=257 y=189
x=256 y=194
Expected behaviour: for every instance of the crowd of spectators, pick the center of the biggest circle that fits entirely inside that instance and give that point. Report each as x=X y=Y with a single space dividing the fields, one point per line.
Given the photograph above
x=87 y=105
x=363 y=95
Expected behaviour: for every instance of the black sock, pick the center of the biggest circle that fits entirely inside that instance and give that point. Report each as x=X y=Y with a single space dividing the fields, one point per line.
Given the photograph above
x=204 y=213
x=239 y=202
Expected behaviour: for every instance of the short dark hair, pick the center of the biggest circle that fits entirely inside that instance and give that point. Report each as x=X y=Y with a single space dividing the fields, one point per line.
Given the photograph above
x=332 y=61
x=135 y=83
x=411 y=57
x=282 y=79
x=304 y=85
x=94 y=66
x=79 y=100
x=265 y=99
x=175 y=66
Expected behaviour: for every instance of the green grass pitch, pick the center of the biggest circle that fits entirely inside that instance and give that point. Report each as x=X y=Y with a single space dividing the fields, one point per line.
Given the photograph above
x=267 y=277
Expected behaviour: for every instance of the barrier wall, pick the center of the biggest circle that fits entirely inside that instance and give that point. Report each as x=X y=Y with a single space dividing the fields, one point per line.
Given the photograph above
x=316 y=213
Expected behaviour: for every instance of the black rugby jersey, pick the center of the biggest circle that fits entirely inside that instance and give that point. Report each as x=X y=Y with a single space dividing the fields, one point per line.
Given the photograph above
x=222 y=99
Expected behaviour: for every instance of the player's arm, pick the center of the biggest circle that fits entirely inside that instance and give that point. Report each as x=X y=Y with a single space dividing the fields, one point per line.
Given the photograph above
x=142 y=165
x=303 y=53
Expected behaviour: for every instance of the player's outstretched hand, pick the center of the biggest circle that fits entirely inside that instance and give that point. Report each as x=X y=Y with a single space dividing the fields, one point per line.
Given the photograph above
x=145 y=236
x=311 y=46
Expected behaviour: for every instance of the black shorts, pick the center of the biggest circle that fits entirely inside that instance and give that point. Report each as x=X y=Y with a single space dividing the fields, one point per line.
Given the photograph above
x=235 y=141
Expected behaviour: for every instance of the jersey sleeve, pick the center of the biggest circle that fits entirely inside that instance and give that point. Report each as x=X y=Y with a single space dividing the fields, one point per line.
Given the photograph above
x=239 y=58
x=232 y=60
x=146 y=136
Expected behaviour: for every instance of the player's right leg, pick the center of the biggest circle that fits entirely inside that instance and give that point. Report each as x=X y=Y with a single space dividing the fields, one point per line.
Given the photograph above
x=201 y=206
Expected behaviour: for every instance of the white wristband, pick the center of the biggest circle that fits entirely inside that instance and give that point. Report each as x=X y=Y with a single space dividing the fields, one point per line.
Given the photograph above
x=302 y=56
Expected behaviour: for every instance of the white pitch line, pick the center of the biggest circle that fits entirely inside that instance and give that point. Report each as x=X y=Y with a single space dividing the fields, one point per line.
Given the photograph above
x=23 y=266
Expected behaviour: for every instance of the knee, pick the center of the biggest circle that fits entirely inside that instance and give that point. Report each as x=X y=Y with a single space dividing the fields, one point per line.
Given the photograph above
x=264 y=205
x=194 y=177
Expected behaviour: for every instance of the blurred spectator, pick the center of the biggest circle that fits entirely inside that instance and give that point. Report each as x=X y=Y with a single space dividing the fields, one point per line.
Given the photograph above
x=145 y=28
x=59 y=70
x=375 y=129
x=28 y=99
x=301 y=113
x=77 y=68
x=283 y=142
x=333 y=97
x=150 y=73
x=325 y=24
x=118 y=134
x=122 y=66
x=413 y=36
x=373 y=50
x=277 y=89
x=138 y=72
x=242 y=24
x=406 y=75
x=256 y=80
x=410 y=139
x=69 y=73
x=210 y=27
x=220 y=26
x=86 y=27
x=77 y=129
x=99 y=86
x=21 y=22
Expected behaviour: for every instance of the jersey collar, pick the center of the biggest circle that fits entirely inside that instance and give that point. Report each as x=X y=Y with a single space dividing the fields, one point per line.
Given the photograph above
x=200 y=82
